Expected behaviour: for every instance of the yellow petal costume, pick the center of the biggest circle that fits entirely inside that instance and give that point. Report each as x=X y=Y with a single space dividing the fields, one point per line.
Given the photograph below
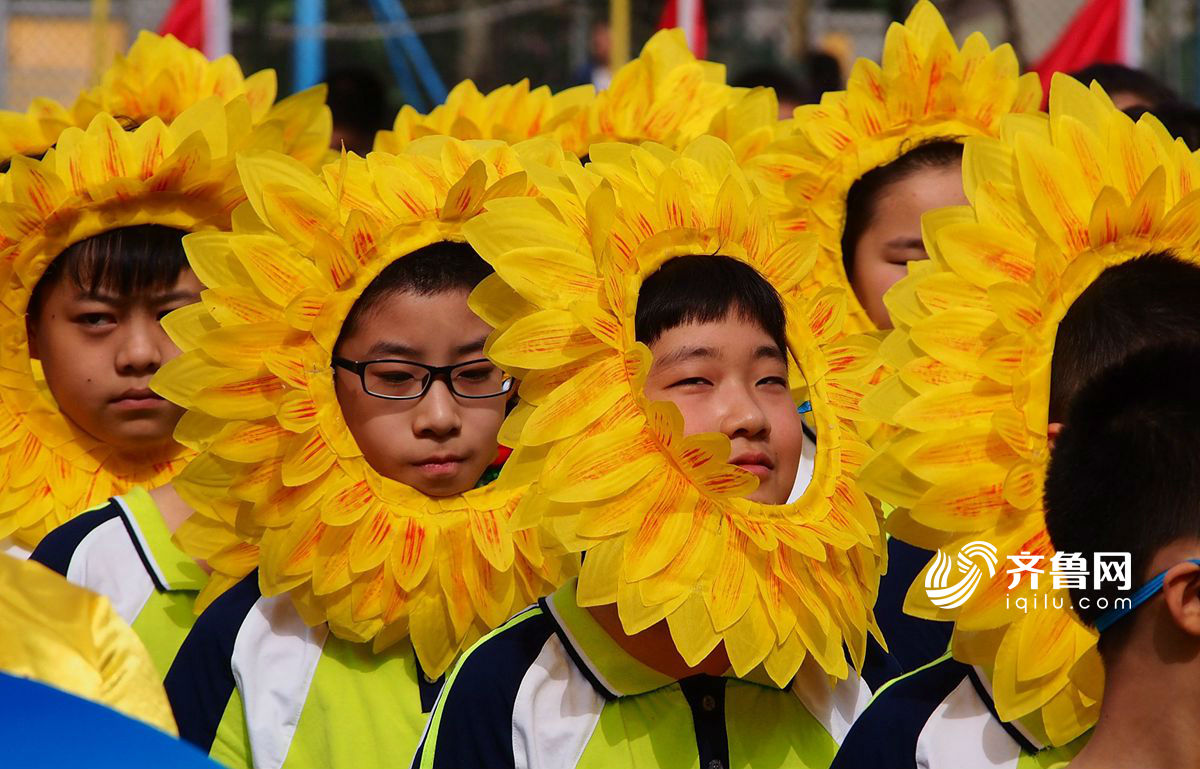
x=161 y=77
x=1053 y=203
x=663 y=518
x=511 y=113
x=665 y=95
x=668 y=96
x=60 y=634
x=280 y=483
x=179 y=175
x=926 y=88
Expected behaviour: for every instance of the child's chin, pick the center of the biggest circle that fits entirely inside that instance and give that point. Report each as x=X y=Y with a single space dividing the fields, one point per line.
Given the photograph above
x=767 y=496
x=450 y=486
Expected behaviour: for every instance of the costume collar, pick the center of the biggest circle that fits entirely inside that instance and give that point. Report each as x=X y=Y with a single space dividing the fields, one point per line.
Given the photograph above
x=1023 y=734
x=609 y=668
x=171 y=568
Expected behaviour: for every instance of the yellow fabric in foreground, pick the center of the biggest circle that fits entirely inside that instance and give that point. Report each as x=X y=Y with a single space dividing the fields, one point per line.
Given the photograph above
x=68 y=637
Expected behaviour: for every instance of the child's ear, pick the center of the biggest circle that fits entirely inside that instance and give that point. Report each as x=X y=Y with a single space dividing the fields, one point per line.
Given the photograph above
x=1181 y=588
x=1053 y=430
x=31 y=335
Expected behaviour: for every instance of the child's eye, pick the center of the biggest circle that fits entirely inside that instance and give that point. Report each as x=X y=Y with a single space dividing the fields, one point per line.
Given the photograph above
x=774 y=381
x=692 y=381
x=94 y=319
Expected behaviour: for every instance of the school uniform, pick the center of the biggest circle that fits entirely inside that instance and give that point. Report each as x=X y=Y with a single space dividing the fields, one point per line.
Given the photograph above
x=943 y=716
x=254 y=686
x=123 y=551
x=552 y=689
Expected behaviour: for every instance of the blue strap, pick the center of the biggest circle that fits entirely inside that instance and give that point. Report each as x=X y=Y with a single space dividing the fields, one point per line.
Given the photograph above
x=804 y=408
x=1143 y=594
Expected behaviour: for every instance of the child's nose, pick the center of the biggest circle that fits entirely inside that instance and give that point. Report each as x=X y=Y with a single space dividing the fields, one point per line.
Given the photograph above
x=437 y=412
x=743 y=415
x=142 y=348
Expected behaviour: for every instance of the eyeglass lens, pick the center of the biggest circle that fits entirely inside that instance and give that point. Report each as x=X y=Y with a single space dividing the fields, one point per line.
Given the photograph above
x=395 y=379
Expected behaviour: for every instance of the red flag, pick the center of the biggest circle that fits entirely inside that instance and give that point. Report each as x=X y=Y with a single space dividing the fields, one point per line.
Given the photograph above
x=689 y=16
x=202 y=24
x=1102 y=31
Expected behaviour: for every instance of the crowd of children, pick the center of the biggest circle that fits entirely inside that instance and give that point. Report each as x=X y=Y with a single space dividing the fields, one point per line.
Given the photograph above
x=635 y=428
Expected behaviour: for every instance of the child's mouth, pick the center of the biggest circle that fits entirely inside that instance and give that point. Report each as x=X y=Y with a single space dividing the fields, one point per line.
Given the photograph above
x=136 y=399
x=439 y=467
x=754 y=462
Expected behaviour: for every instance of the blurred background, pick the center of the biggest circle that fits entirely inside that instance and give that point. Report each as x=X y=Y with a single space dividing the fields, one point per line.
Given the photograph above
x=380 y=54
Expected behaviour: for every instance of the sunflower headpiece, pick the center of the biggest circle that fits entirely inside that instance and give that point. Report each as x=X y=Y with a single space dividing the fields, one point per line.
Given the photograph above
x=280 y=483
x=511 y=113
x=161 y=77
x=663 y=519
x=926 y=88
x=34 y=131
x=668 y=96
x=665 y=95
x=178 y=175
x=1053 y=203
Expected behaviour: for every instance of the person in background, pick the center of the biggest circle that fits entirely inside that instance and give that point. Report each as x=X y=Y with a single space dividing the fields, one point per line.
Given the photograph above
x=1182 y=120
x=1126 y=86
x=358 y=100
x=1124 y=477
x=790 y=89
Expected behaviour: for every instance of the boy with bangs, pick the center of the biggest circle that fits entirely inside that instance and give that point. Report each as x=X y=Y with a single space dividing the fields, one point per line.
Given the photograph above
x=563 y=685
x=94 y=323
x=943 y=714
x=424 y=407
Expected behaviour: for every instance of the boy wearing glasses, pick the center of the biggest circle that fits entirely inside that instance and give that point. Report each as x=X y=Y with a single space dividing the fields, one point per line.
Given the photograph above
x=424 y=407
x=1125 y=477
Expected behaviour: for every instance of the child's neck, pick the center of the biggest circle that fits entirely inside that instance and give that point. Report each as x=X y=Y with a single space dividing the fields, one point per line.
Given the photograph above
x=654 y=648
x=171 y=506
x=1148 y=718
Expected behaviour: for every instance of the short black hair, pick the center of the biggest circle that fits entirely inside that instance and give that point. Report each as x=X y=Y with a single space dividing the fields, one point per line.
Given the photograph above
x=703 y=288
x=1151 y=300
x=359 y=105
x=1117 y=78
x=1182 y=120
x=787 y=84
x=863 y=199
x=1124 y=475
x=434 y=269
x=124 y=261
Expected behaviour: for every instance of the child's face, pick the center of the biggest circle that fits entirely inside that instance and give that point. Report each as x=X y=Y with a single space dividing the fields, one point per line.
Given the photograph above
x=893 y=238
x=98 y=352
x=439 y=444
x=730 y=377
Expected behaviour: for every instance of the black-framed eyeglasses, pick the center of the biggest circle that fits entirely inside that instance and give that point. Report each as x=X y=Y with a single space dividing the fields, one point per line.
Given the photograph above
x=405 y=380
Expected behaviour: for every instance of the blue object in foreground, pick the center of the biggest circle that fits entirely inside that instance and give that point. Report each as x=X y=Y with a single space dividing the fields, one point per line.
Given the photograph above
x=804 y=408
x=43 y=727
x=1143 y=594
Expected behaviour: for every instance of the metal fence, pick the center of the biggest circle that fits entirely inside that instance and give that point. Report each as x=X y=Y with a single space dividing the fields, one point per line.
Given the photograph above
x=53 y=47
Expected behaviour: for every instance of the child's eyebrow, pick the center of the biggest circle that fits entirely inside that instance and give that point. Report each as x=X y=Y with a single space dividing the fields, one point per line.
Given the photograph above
x=771 y=352
x=392 y=348
x=99 y=296
x=916 y=243
x=687 y=352
x=175 y=296
x=470 y=347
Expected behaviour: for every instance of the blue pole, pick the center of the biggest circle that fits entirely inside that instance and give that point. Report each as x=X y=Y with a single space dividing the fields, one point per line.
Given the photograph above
x=309 y=50
x=393 y=11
